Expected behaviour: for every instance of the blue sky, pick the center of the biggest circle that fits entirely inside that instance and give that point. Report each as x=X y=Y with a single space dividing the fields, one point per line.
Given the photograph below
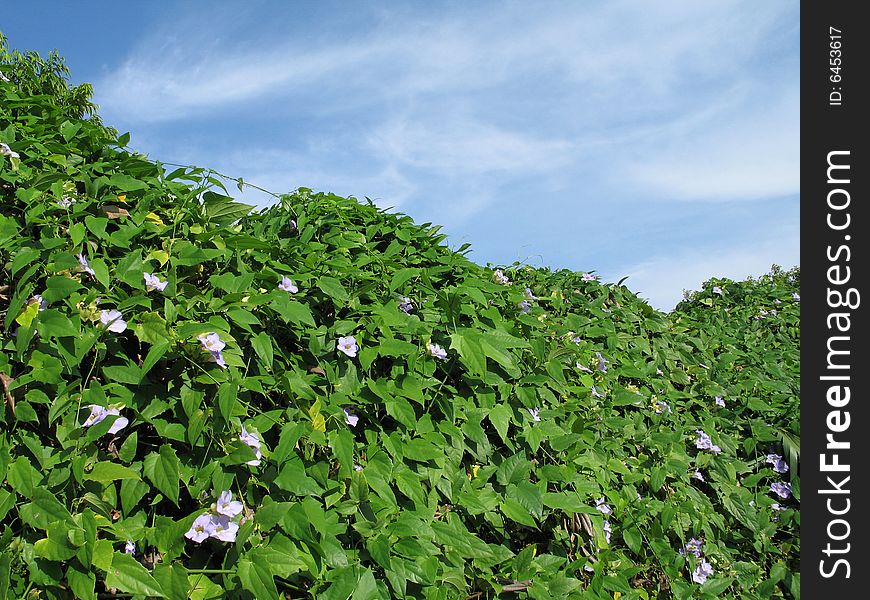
x=658 y=141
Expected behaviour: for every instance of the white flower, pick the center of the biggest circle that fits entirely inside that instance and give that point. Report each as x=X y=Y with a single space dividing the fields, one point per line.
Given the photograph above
x=223 y=529
x=227 y=506
x=211 y=342
x=201 y=528
x=111 y=320
x=7 y=151
x=130 y=547
x=252 y=440
x=99 y=413
x=500 y=277
x=84 y=265
x=348 y=345
x=437 y=351
x=535 y=413
x=152 y=282
x=287 y=285
x=350 y=418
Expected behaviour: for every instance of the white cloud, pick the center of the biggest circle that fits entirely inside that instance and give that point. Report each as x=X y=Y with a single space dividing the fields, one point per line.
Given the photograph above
x=465 y=146
x=663 y=278
x=749 y=153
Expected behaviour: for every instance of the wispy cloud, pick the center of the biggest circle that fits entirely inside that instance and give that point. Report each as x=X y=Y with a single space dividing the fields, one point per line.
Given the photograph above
x=586 y=124
x=663 y=278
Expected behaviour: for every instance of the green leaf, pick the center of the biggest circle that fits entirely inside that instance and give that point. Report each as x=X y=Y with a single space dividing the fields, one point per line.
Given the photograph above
x=47 y=509
x=332 y=287
x=500 y=416
x=227 y=394
x=53 y=323
x=81 y=581
x=470 y=352
x=105 y=471
x=125 y=183
x=292 y=311
x=262 y=344
x=162 y=470
x=257 y=578
x=128 y=575
x=401 y=276
x=151 y=328
x=58 y=287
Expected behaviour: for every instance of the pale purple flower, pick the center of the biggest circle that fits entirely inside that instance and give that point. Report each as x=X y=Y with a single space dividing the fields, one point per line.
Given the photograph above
x=99 y=413
x=287 y=285
x=602 y=366
x=777 y=301
x=130 y=547
x=588 y=277
x=595 y=393
x=202 y=527
x=698 y=475
x=211 y=341
x=702 y=571
x=500 y=277
x=436 y=351
x=576 y=339
x=783 y=490
x=779 y=465
x=525 y=307
x=693 y=546
x=530 y=295
x=350 y=418
x=717 y=290
x=582 y=367
x=796 y=297
x=348 y=345
x=601 y=505
x=660 y=406
x=773 y=312
x=66 y=202
x=776 y=506
x=227 y=506
x=251 y=439
x=84 y=265
x=7 y=151
x=357 y=467
x=405 y=304
x=111 y=320
x=152 y=282
x=705 y=443
x=535 y=414
x=217 y=357
x=720 y=401
x=607 y=531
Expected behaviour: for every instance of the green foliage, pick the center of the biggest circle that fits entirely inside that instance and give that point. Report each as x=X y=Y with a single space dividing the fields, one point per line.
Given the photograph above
x=521 y=463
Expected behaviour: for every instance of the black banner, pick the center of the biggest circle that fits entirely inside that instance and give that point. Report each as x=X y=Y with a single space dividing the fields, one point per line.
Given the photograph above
x=834 y=222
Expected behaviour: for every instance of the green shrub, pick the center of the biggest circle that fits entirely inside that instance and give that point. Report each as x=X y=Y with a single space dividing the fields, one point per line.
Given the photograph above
x=483 y=433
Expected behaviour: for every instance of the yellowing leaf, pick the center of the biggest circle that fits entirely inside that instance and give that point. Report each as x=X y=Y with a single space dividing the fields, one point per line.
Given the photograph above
x=28 y=314
x=160 y=255
x=318 y=422
x=153 y=218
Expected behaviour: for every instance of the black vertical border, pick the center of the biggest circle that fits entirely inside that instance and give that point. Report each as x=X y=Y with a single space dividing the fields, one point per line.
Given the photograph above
x=831 y=126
